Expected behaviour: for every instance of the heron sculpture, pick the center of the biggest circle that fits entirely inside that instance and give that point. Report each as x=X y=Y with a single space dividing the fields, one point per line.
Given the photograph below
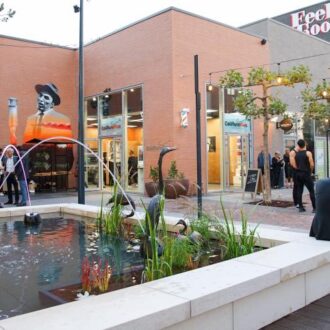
x=194 y=237
x=124 y=200
x=154 y=207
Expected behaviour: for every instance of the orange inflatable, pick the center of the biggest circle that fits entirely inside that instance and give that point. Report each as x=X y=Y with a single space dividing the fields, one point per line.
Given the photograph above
x=47 y=122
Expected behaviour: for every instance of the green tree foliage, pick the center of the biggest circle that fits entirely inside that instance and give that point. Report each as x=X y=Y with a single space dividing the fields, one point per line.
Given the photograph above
x=263 y=106
x=5 y=15
x=317 y=101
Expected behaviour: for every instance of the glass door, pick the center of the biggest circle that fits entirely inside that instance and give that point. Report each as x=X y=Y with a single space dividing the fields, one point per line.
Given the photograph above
x=91 y=166
x=112 y=155
x=237 y=162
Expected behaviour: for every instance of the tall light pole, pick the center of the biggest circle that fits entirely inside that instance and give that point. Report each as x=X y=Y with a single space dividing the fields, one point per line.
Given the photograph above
x=81 y=158
x=198 y=138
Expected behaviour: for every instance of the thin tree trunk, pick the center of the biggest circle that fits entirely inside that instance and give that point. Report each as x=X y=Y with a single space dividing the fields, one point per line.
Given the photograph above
x=267 y=194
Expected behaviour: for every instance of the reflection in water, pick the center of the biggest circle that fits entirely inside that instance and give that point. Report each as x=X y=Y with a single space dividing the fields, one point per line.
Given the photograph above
x=48 y=256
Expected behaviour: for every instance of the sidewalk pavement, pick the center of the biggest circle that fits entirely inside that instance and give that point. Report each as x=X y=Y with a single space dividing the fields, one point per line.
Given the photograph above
x=187 y=206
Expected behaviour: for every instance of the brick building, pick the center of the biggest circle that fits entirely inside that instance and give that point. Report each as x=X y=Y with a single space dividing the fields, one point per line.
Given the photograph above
x=138 y=82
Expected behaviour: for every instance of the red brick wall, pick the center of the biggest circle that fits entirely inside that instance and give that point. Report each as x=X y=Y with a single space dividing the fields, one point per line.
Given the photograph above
x=159 y=54
x=25 y=64
x=141 y=54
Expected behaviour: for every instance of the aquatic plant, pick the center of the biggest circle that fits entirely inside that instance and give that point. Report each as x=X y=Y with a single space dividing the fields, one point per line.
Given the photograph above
x=157 y=265
x=184 y=252
x=100 y=214
x=85 y=275
x=94 y=277
x=111 y=220
x=202 y=225
x=139 y=230
x=237 y=243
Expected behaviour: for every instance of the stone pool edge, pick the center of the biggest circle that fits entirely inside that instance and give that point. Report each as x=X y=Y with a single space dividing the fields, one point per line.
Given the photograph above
x=246 y=293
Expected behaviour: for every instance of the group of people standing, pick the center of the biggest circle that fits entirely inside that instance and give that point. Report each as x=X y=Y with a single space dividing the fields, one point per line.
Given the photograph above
x=298 y=167
x=15 y=175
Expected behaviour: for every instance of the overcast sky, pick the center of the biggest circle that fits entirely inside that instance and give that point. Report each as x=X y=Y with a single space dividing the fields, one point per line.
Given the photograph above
x=54 y=21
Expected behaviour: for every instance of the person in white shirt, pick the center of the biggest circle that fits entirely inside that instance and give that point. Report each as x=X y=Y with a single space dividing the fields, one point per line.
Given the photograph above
x=9 y=162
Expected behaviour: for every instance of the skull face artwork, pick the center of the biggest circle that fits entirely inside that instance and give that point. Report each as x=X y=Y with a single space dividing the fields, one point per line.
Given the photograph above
x=45 y=102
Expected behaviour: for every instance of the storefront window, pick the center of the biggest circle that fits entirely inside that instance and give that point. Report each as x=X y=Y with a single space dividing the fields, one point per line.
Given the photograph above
x=213 y=137
x=134 y=146
x=212 y=98
x=321 y=127
x=228 y=140
x=91 y=140
x=114 y=121
x=91 y=166
x=91 y=121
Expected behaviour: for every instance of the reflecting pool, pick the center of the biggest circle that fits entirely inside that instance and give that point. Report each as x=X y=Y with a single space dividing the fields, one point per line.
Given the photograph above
x=49 y=256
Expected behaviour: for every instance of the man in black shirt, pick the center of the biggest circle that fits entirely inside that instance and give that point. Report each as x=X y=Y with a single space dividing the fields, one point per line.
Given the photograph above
x=303 y=164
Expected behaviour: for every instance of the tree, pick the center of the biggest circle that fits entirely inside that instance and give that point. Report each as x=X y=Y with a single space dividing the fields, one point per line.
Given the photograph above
x=263 y=106
x=4 y=16
x=317 y=101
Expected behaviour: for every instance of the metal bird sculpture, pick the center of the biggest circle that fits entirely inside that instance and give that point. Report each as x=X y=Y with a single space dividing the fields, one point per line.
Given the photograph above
x=194 y=237
x=154 y=208
x=124 y=200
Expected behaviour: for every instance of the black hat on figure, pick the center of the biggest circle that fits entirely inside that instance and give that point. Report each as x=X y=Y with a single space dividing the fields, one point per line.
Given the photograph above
x=51 y=89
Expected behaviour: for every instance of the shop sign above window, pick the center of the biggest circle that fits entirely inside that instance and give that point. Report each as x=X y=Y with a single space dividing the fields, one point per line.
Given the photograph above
x=285 y=124
x=236 y=123
x=111 y=126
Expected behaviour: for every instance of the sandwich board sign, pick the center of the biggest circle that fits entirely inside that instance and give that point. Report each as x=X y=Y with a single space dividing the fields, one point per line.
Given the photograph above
x=253 y=182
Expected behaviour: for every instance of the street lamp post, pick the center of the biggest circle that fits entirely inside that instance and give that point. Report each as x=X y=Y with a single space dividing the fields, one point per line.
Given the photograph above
x=81 y=160
x=198 y=138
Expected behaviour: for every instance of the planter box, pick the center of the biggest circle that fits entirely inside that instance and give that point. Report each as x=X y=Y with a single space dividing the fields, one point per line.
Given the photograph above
x=245 y=293
x=174 y=188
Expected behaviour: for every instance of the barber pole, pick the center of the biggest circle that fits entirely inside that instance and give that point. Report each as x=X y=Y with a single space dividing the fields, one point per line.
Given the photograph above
x=184 y=117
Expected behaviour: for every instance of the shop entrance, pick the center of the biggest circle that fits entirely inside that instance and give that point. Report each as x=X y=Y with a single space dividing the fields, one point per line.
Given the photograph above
x=237 y=160
x=112 y=156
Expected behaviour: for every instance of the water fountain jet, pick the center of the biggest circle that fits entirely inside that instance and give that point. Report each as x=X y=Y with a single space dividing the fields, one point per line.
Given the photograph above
x=64 y=138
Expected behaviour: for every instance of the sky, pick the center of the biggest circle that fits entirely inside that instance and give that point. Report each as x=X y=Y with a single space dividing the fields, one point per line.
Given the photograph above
x=54 y=21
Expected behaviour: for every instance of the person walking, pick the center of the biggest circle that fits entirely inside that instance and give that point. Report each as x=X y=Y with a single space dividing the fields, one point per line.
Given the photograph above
x=303 y=164
x=22 y=174
x=9 y=162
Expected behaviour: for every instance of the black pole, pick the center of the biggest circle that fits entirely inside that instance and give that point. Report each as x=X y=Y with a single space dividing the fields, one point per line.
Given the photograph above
x=81 y=160
x=327 y=161
x=198 y=138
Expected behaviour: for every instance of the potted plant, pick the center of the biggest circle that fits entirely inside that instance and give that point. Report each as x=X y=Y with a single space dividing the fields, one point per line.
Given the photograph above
x=152 y=187
x=175 y=184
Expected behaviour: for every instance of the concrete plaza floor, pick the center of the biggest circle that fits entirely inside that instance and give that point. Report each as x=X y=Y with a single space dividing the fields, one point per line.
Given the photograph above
x=187 y=206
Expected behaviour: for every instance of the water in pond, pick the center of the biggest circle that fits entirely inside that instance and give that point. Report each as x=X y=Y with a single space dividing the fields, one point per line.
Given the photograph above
x=50 y=256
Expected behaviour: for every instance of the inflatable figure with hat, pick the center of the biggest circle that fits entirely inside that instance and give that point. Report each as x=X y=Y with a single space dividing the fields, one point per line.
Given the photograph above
x=47 y=122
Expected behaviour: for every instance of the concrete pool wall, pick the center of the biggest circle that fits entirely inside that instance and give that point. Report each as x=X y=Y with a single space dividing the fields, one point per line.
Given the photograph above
x=243 y=293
